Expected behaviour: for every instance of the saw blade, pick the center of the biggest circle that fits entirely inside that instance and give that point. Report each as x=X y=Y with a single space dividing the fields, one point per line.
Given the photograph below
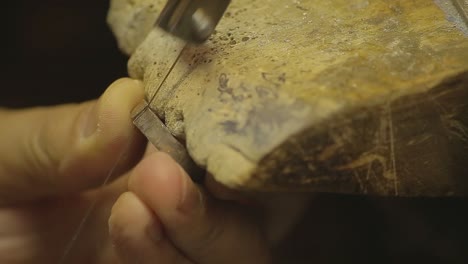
x=149 y=123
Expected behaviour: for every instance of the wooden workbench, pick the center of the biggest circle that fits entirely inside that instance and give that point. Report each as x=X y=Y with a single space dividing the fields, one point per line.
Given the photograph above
x=367 y=97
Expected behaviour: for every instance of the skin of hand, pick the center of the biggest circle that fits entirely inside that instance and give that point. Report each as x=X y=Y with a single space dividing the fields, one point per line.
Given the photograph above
x=53 y=161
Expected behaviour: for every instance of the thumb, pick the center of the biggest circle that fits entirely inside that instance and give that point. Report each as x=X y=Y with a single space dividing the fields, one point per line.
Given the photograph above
x=181 y=220
x=68 y=148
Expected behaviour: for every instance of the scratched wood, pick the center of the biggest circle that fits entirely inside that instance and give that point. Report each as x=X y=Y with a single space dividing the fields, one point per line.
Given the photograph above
x=366 y=97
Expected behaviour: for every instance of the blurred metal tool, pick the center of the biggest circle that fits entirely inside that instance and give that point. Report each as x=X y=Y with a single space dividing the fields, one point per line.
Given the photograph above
x=192 y=20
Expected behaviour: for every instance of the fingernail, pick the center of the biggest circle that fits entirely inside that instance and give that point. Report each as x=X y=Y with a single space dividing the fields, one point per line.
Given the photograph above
x=91 y=119
x=191 y=198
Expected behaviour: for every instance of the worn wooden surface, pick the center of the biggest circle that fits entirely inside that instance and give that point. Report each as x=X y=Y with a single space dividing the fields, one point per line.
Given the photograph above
x=366 y=97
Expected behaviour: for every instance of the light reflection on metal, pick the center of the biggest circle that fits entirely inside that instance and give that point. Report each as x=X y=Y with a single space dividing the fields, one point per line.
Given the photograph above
x=192 y=20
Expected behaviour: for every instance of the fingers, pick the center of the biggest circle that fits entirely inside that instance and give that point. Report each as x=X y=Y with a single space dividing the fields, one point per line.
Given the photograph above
x=205 y=230
x=57 y=150
x=138 y=235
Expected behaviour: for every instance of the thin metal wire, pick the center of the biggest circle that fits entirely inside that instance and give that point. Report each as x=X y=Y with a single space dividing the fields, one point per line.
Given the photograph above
x=91 y=208
x=161 y=83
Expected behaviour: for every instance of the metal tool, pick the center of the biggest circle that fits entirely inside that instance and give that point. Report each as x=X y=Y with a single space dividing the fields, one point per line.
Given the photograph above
x=159 y=135
x=193 y=21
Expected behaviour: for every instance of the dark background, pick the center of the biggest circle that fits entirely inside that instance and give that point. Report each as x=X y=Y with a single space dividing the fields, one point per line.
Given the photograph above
x=56 y=51
x=360 y=229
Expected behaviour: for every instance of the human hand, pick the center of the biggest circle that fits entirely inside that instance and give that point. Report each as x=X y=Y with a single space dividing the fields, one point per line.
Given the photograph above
x=165 y=217
x=50 y=160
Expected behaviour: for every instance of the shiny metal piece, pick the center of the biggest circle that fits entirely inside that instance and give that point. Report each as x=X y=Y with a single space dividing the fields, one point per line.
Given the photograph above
x=192 y=20
x=146 y=120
